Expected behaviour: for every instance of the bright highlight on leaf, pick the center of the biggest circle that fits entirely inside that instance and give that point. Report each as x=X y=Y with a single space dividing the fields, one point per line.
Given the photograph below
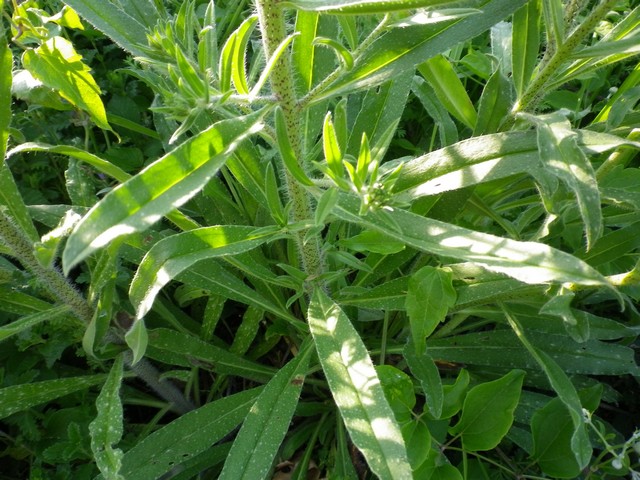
x=356 y=389
x=57 y=64
x=164 y=185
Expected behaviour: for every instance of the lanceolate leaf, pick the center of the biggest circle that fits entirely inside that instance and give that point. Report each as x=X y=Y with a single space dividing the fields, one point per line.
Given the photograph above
x=401 y=49
x=267 y=423
x=29 y=321
x=362 y=7
x=22 y=397
x=485 y=158
x=186 y=437
x=528 y=262
x=356 y=389
x=106 y=429
x=164 y=185
x=560 y=382
x=172 y=255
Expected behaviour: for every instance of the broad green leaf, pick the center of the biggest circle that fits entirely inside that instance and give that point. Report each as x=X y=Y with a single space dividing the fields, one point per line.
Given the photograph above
x=528 y=262
x=363 y=7
x=17 y=398
x=162 y=186
x=206 y=354
x=552 y=428
x=440 y=74
x=487 y=412
x=186 y=437
x=114 y=21
x=106 y=429
x=426 y=372
x=175 y=254
x=356 y=389
x=401 y=49
x=399 y=392
x=32 y=320
x=57 y=64
x=267 y=422
x=430 y=295
x=560 y=382
x=562 y=158
x=525 y=44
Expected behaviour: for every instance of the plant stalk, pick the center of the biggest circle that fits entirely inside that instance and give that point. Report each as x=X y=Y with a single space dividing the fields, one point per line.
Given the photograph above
x=535 y=90
x=272 y=27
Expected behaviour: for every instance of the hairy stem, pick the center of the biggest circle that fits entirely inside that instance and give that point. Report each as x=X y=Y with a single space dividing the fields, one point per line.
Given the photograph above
x=272 y=27
x=50 y=278
x=535 y=90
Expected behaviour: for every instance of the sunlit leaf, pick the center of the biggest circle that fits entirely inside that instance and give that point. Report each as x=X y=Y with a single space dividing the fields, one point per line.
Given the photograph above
x=356 y=389
x=164 y=185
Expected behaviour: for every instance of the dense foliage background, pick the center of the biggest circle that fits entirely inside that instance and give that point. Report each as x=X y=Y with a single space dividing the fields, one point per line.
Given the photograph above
x=338 y=239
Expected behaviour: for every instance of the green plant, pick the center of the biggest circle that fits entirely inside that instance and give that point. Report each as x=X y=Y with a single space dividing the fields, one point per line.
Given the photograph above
x=353 y=311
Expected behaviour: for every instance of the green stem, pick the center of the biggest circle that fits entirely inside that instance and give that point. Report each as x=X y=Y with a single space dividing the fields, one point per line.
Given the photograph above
x=50 y=279
x=535 y=90
x=272 y=26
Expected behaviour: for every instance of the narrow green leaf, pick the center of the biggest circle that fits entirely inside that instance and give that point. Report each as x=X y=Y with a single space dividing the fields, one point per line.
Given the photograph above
x=331 y=147
x=528 y=262
x=164 y=185
x=17 y=398
x=560 y=382
x=342 y=53
x=106 y=430
x=263 y=430
x=57 y=64
x=175 y=254
x=238 y=72
x=495 y=104
x=525 y=44
x=213 y=277
x=6 y=65
x=487 y=412
x=485 y=158
x=115 y=22
x=502 y=348
x=447 y=130
x=356 y=389
x=426 y=372
x=363 y=7
x=380 y=115
x=271 y=64
x=186 y=437
x=439 y=72
x=430 y=295
x=401 y=49
x=32 y=320
x=561 y=157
